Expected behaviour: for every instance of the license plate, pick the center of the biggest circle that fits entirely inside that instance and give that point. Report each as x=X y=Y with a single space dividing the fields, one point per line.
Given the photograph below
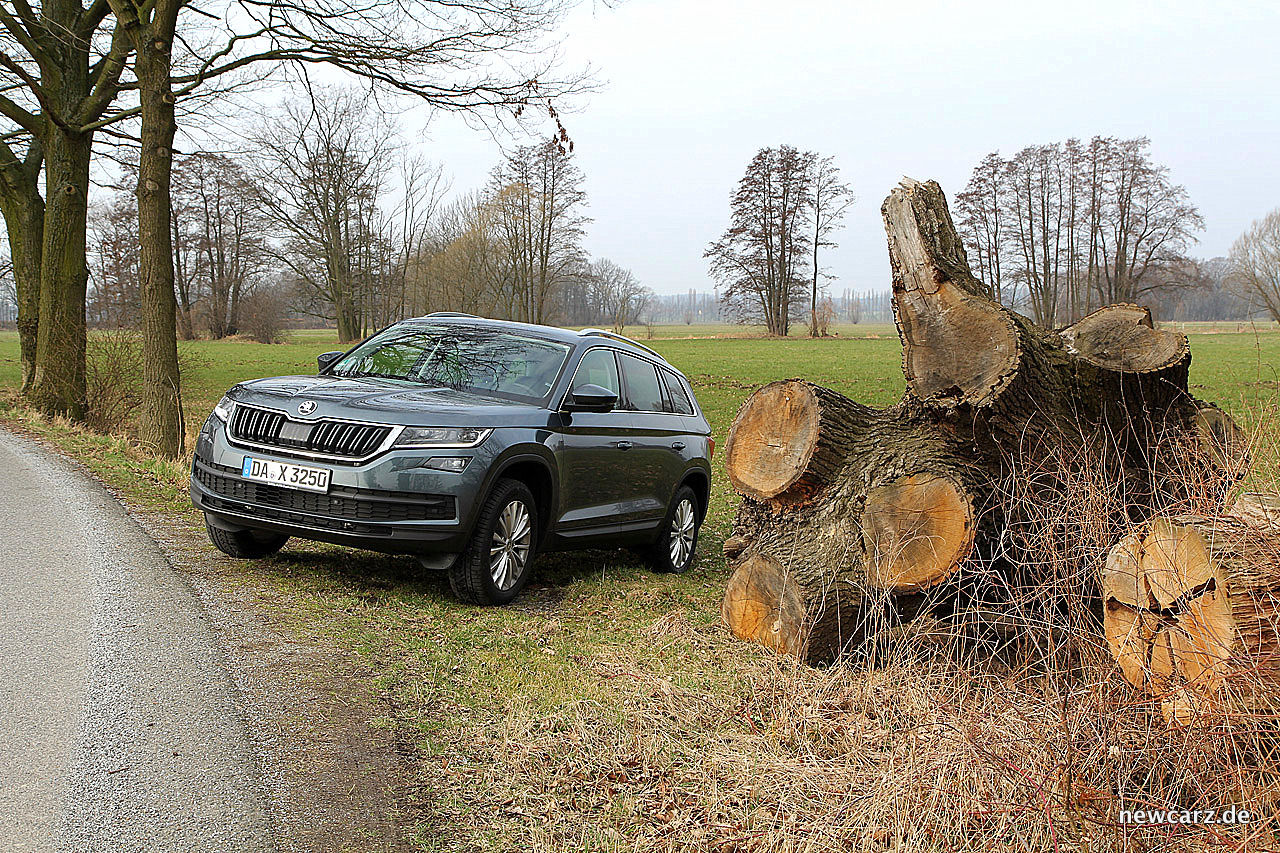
x=286 y=474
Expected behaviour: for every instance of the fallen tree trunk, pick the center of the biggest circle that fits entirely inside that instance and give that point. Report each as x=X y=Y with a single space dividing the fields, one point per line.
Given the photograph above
x=844 y=506
x=851 y=514
x=1110 y=387
x=1192 y=613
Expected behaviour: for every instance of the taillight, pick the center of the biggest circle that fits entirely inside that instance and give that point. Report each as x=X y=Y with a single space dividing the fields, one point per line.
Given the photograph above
x=711 y=447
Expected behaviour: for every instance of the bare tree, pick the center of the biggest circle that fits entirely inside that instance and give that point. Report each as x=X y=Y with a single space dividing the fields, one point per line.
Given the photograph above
x=979 y=220
x=322 y=168
x=1255 y=260
x=467 y=269
x=225 y=227
x=758 y=257
x=114 y=299
x=831 y=198
x=622 y=296
x=1064 y=228
x=537 y=198
x=408 y=231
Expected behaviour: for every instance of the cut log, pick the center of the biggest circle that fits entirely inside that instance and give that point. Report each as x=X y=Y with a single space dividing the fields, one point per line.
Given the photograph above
x=963 y=350
x=789 y=440
x=958 y=345
x=1012 y=444
x=1122 y=338
x=761 y=604
x=1192 y=614
x=898 y=516
x=917 y=531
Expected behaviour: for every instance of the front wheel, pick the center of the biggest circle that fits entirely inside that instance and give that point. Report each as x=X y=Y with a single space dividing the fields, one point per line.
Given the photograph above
x=244 y=544
x=496 y=564
x=678 y=540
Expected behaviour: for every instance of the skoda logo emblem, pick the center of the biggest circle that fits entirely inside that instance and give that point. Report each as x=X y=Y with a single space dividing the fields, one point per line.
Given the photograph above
x=306 y=407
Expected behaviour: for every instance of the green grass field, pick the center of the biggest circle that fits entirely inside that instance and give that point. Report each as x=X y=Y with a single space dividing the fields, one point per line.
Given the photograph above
x=595 y=631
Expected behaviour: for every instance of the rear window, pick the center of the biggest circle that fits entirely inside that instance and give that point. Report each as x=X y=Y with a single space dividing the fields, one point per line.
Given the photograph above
x=644 y=394
x=679 y=400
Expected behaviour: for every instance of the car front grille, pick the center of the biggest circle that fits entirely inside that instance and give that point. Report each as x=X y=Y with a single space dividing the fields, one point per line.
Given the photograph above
x=351 y=441
x=341 y=504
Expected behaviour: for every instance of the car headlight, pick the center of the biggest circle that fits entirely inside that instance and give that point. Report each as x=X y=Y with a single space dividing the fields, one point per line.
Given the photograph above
x=442 y=437
x=222 y=411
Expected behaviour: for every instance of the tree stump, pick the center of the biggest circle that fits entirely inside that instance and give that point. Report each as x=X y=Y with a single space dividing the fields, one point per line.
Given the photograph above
x=849 y=512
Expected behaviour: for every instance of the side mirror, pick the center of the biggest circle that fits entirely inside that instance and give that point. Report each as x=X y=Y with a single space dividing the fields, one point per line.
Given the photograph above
x=324 y=359
x=590 y=398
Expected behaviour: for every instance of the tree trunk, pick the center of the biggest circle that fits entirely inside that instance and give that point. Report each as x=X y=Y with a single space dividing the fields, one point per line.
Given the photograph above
x=160 y=424
x=1111 y=388
x=1193 y=613
x=847 y=510
x=58 y=387
x=23 y=209
x=845 y=506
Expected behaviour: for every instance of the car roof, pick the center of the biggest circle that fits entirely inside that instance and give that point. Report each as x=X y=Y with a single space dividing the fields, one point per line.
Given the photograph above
x=569 y=336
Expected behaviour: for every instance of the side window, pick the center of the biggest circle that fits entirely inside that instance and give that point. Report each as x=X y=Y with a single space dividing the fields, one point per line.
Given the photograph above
x=644 y=394
x=598 y=368
x=676 y=394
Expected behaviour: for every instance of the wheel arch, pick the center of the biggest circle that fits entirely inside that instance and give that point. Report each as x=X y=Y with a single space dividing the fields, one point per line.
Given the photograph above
x=700 y=481
x=536 y=472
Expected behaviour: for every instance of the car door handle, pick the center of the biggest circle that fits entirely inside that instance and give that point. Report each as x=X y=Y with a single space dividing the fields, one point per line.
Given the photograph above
x=624 y=445
x=677 y=445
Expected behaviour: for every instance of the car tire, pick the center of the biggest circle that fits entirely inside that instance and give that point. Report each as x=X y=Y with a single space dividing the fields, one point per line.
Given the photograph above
x=245 y=544
x=497 y=561
x=677 y=543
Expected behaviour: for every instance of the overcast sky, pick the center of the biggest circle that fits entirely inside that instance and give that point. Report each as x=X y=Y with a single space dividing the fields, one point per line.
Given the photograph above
x=692 y=88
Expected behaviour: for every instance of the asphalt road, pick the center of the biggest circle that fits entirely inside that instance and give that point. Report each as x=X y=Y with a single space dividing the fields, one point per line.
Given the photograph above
x=120 y=728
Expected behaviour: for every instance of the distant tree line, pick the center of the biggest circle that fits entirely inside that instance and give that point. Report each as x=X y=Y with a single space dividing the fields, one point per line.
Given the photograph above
x=330 y=219
x=1060 y=229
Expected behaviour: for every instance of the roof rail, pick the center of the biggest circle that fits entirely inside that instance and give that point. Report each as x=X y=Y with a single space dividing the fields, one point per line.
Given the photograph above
x=601 y=333
x=452 y=314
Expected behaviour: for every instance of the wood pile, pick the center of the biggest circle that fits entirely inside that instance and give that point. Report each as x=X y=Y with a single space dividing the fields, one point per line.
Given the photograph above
x=851 y=516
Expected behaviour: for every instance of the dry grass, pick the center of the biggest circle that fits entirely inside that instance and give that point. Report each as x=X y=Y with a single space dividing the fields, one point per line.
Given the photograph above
x=1000 y=725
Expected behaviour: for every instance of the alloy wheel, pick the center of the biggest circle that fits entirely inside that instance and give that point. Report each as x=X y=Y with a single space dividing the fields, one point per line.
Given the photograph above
x=509 y=550
x=684 y=526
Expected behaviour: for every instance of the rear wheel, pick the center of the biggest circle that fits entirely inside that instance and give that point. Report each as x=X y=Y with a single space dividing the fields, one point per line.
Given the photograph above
x=497 y=562
x=674 y=550
x=244 y=544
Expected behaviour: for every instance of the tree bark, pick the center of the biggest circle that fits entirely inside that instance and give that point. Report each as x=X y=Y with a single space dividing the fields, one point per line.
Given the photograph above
x=23 y=209
x=160 y=421
x=58 y=386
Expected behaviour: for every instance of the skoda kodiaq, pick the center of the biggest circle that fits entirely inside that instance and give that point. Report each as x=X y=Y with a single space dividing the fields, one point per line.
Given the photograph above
x=472 y=443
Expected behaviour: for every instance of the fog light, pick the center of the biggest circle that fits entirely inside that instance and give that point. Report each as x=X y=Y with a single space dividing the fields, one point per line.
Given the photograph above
x=452 y=464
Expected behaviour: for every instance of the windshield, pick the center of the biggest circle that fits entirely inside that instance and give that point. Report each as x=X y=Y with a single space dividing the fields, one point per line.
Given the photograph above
x=488 y=362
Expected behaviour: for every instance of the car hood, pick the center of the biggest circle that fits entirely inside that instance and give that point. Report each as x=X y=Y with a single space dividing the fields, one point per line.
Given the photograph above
x=384 y=401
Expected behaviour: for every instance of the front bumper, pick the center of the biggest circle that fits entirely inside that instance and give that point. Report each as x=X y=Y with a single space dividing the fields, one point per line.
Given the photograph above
x=390 y=503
